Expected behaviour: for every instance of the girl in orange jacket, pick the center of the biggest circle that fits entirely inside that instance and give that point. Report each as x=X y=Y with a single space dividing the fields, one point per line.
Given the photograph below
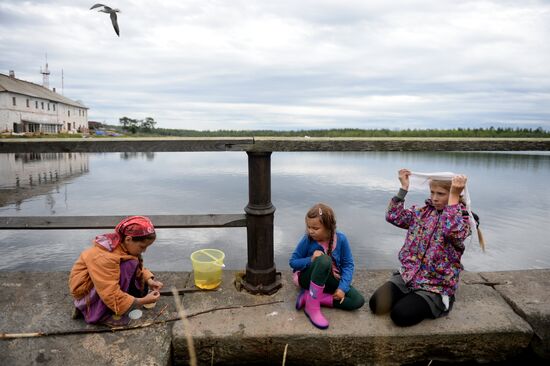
x=108 y=280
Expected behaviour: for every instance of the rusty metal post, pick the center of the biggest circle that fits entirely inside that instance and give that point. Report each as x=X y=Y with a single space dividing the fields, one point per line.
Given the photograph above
x=261 y=276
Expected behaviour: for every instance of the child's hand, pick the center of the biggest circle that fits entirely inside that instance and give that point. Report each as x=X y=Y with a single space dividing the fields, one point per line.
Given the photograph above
x=404 y=178
x=339 y=295
x=316 y=254
x=154 y=285
x=458 y=183
x=150 y=298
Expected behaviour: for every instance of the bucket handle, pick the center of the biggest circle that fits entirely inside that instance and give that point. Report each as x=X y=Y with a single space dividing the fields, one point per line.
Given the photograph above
x=214 y=258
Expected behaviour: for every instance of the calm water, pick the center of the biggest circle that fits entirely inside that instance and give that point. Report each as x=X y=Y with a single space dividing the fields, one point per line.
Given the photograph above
x=509 y=191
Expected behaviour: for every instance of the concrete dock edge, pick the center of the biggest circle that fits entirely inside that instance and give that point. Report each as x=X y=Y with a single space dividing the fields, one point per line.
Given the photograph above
x=497 y=316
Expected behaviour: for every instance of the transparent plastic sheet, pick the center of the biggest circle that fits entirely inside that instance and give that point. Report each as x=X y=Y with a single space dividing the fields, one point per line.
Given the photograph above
x=421 y=181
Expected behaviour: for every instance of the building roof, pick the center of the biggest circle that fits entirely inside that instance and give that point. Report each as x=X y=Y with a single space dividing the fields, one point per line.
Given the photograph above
x=14 y=85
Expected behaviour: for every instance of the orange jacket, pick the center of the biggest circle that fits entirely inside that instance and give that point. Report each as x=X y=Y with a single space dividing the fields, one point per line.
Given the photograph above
x=100 y=268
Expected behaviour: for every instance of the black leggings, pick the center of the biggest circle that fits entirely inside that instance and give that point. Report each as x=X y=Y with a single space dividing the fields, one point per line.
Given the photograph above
x=406 y=309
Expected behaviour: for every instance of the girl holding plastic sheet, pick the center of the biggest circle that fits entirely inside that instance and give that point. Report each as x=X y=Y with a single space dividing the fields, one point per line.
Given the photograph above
x=430 y=258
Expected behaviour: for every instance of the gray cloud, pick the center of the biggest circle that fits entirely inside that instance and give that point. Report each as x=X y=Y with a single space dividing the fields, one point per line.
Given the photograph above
x=292 y=65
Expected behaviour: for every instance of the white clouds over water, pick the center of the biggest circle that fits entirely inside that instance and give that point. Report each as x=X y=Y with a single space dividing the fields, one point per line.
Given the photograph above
x=214 y=64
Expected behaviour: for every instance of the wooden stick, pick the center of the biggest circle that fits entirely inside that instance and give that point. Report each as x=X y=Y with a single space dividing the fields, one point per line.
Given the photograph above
x=6 y=336
x=186 y=329
x=160 y=312
x=184 y=290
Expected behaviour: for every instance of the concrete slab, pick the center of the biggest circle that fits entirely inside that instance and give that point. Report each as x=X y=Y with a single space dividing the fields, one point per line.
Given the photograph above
x=40 y=302
x=528 y=294
x=482 y=327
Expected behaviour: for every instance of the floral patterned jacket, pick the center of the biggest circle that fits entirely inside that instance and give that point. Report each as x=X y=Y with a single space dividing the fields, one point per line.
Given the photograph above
x=430 y=257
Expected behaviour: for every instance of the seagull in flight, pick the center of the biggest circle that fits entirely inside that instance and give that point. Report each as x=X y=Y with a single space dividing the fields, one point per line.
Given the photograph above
x=112 y=14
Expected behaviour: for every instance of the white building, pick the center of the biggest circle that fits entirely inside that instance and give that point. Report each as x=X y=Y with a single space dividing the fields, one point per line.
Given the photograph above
x=29 y=107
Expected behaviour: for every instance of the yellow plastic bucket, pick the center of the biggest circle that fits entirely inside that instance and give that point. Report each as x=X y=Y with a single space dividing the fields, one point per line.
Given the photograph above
x=207 y=268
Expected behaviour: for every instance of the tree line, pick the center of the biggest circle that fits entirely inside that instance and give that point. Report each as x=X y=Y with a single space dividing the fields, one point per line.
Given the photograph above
x=132 y=125
x=147 y=126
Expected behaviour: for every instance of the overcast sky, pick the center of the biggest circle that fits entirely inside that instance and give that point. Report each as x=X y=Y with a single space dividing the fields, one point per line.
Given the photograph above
x=291 y=64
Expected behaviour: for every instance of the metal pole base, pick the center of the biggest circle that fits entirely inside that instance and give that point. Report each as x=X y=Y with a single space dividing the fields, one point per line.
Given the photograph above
x=261 y=289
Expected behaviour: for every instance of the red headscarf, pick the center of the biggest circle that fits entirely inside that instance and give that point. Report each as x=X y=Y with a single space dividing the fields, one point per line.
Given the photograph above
x=130 y=226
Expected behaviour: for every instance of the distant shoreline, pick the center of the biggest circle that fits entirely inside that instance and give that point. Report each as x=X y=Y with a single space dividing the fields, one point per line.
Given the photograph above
x=353 y=132
x=111 y=131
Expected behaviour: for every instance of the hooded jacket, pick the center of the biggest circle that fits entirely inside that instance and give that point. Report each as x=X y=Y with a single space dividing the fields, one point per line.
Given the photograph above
x=430 y=257
x=99 y=267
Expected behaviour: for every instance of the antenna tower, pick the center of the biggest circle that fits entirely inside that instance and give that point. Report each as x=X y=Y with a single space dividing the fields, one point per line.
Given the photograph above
x=45 y=75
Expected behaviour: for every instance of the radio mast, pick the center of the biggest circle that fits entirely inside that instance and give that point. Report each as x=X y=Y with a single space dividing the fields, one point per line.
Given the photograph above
x=45 y=75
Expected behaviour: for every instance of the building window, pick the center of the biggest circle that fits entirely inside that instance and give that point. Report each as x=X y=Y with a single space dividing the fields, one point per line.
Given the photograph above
x=28 y=103
x=48 y=106
x=54 y=107
x=42 y=103
x=36 y=104
x=69 y=113
x=13 y=101
x=33 y=127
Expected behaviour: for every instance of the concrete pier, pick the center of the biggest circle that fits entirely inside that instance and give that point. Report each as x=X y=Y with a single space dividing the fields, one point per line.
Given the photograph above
x=497 y=316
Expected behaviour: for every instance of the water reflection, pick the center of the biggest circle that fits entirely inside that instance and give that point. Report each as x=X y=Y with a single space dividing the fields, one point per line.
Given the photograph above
x=137 y=155
x=508 y=191
x=28 y=175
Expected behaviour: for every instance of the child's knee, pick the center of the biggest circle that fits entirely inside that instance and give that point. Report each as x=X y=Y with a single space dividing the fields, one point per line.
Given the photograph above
x=353 y=300
x=372 y=304
x=398 y=318
x=402 y=319
x=358 y=302
x=410 y=311
x=323 y=261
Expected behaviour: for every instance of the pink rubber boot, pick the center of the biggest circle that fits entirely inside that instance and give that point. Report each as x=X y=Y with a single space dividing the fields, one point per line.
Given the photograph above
x=313 y=306
x=326 y=300
x=301 y=299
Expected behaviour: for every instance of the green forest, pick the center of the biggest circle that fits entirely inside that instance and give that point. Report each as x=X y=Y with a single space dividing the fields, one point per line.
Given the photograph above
x=147 y=128
x=350 y=132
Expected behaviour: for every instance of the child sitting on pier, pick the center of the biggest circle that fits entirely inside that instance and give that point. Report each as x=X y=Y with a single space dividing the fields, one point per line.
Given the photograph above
x=430 y=258
x=108 y=280
x=323 y=267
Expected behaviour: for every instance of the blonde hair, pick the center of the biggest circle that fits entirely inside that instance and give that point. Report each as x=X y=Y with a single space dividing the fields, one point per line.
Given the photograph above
x=446 y=185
